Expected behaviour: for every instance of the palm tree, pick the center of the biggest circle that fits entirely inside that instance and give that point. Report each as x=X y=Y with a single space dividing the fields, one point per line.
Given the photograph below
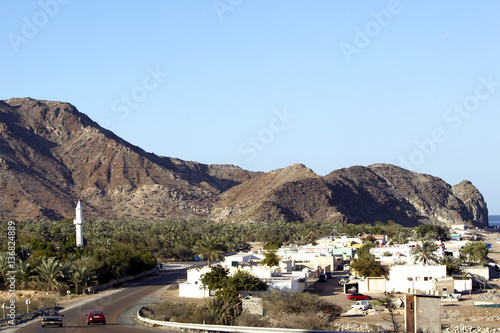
x=25 y=252
x=50 y=272
x=271 y=259
x=425 y=252
x=210 y=248
x=451 y=264
x=4 y=265
x=24 y=274
x=76 y=277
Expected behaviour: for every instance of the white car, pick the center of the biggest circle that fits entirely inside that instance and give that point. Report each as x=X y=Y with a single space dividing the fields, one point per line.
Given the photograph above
x=361 y=305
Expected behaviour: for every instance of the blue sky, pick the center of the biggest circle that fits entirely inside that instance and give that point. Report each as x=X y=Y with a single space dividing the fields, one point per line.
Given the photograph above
x=263 y=85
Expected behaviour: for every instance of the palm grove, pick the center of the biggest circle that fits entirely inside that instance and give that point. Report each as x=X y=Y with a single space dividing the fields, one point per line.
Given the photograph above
x=47 y=257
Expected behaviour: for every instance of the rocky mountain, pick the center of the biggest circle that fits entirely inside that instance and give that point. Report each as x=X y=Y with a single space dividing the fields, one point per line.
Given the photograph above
x=51 y=156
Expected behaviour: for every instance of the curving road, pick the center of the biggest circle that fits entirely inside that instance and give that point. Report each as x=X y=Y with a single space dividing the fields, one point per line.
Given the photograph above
x=125 y=301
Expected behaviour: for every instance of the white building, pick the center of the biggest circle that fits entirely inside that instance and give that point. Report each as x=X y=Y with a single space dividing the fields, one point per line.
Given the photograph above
x=283 y=277
x=420 y=277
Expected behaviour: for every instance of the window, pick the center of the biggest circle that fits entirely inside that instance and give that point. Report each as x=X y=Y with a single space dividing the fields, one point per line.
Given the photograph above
x=426 y=278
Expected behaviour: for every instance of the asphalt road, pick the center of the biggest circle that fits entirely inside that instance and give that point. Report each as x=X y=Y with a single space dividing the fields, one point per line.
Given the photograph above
x=124 y=301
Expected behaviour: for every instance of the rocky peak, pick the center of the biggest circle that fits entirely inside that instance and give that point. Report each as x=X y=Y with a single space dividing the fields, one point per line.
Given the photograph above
x=52 y=155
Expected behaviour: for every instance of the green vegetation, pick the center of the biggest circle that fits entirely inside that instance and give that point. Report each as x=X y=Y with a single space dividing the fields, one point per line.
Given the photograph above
x=178 y=312
x=271 y=259
x=116 y=249
x=298 y=310
x=282 y=309
x=365 y=264
x=431 y=232
x=226 y=305
x=474 y=253
x=424 y=252
x=209 y=248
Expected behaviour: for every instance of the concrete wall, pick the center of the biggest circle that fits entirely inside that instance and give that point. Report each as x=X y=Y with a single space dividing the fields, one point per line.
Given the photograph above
x=192 y=290
x=402 y=277
x=463 y=285
x=444 y=285
x=427 y=314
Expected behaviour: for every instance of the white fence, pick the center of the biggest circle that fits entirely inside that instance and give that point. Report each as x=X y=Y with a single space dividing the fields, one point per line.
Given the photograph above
x=224 y=328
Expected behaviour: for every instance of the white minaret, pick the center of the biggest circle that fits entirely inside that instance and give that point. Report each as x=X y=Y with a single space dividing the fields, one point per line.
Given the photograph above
x=79 y=221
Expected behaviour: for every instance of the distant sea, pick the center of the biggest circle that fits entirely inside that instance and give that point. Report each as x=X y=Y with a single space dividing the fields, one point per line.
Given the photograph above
x=494 y=220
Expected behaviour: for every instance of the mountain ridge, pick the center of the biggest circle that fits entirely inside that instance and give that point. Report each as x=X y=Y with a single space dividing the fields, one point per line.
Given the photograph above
x=52 y=155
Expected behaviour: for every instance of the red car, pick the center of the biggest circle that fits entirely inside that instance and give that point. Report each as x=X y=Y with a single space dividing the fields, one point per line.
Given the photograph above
x=95 y=317
x=358 y=297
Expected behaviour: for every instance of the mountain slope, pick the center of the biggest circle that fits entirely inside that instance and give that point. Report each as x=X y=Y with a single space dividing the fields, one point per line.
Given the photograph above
x=51 y=156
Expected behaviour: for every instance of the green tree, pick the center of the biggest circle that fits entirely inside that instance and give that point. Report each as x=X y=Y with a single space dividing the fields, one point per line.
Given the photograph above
x=210 y=248
x=24 y=252
x=365 y=249
x=452 y=264
x=226 y=286
x=244 y=280
x=474 y=253
x=367 y=266
x=223 y=310
x=431 y=232
x=182 y=252
x=50 y=275
x=4 y=265
x=272 y=245
x=271 y=259
x=24 y=274
x=365 y=263
x=215 y=279
x=424 y=252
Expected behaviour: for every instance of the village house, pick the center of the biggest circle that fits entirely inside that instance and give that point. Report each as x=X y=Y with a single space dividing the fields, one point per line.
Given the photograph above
x=283 y=277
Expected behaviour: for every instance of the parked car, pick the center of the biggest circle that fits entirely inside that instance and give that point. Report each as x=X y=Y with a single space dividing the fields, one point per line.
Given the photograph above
x=52 y=318
x=358 y=296
x=362 y=305
x=343 y=280
x=328 y=274
x=94 y=317
x=322 y=278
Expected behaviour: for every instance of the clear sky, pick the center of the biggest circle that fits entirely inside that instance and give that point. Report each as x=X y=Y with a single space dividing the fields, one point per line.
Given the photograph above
x=265 y=84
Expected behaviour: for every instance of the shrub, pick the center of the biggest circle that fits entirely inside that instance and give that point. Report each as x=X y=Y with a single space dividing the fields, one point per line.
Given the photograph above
x=252 y=320
x=298 y=310
x=180 y=312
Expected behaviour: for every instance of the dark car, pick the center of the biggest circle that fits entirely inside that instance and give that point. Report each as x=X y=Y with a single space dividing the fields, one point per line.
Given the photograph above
x=95 y=317
x=344 y=279
x=358 y=297
x=52 y=318
x=322 y=278
x=328 y=274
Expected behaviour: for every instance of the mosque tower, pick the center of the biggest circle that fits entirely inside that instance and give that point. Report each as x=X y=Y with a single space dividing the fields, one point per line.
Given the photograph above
x=79 y=222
